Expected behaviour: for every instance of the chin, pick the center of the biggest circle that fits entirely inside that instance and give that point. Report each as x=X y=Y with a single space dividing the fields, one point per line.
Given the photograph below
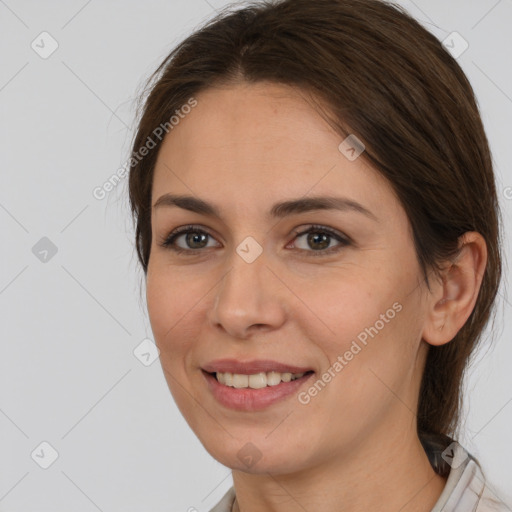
x=256 y=457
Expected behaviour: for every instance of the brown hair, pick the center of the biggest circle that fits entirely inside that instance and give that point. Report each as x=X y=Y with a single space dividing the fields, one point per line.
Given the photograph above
x=386 y=79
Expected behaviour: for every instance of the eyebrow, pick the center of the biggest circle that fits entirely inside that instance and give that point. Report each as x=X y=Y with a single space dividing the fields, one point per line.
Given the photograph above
x=278 y=210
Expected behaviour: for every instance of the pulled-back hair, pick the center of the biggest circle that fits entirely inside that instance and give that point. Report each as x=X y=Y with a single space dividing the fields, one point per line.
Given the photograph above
x=378 y=74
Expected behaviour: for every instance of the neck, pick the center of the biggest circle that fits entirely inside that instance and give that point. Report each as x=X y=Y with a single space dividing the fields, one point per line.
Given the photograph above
x=385 y=474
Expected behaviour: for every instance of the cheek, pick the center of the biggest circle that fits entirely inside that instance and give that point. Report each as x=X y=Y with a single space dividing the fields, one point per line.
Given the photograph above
x=364 y=321
x=167 y=310
x=347 y=307
x=373 y=350
x=168 y=304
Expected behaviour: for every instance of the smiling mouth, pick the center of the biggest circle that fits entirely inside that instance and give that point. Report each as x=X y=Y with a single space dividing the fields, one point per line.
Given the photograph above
x=256 y=380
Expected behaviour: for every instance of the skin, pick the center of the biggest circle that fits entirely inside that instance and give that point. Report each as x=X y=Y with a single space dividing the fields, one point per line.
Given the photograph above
x=354 y=446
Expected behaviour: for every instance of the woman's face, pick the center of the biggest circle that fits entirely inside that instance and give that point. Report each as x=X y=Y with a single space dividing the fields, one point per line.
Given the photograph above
x=257 y=288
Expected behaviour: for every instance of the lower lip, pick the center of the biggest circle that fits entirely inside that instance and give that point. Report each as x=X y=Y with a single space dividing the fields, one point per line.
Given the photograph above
x=248 y=399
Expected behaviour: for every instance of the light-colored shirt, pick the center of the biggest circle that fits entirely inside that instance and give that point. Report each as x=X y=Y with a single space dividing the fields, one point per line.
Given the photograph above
x=466 y=489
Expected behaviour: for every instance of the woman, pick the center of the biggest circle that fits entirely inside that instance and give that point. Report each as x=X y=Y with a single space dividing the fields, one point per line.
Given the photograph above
x=317 y=221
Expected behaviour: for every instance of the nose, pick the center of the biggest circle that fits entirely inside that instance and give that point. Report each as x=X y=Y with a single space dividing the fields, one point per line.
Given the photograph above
x=248 y=299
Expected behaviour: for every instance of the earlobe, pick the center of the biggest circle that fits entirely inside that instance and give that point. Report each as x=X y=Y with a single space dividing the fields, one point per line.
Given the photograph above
x=454 y=295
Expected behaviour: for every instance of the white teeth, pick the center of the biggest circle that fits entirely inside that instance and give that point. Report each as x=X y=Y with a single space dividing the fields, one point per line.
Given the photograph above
x=257 y=380
x=273 y=378
x=240 y=381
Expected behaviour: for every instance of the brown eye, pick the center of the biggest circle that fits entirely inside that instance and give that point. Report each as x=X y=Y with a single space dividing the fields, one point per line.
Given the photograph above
x=194 y=240
x=319 y=239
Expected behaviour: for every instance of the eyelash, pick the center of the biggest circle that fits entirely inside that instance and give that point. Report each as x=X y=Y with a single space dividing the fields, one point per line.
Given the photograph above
x=168 y=242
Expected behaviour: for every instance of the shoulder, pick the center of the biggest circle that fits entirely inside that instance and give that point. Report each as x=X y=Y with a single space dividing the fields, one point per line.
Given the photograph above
x=478 y=488
x=466 y=489
x=226 y=503
x=491 y=502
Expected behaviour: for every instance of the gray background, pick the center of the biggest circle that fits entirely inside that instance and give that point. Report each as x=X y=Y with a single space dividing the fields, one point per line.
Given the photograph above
x=70 y=324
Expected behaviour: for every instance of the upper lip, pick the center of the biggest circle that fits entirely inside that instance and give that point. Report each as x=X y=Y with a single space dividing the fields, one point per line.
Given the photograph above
x=251 y=367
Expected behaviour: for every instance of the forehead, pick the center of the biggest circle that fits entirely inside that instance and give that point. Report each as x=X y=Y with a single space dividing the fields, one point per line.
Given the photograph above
x=250 y=142
x=260 y=119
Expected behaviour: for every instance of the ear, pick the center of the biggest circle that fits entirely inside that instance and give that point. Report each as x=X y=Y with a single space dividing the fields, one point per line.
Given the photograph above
x=453 y=297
